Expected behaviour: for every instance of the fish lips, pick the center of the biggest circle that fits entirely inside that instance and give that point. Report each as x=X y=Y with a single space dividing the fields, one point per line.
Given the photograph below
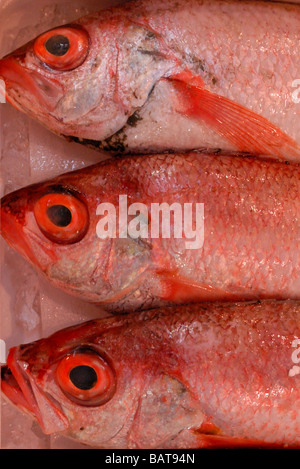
x=27 y=88
x=18 y=385
x=18 y=228
x=12 y=226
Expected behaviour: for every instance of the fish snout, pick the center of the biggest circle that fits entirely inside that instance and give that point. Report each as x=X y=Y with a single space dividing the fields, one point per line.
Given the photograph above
x=9 y=69
x=12 y=222
x=11 y=75
x=19 y=386
x=28 y=89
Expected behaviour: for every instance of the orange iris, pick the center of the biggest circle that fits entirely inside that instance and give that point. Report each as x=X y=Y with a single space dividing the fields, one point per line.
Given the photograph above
x=62 y=218
x=86 y=378
x=62 y=48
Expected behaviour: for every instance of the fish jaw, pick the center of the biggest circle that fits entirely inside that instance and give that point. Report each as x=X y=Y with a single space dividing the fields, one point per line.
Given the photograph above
x=13 y=224
x=11 y=228
x=4 y=76
x=18 y=385
x=26 y=88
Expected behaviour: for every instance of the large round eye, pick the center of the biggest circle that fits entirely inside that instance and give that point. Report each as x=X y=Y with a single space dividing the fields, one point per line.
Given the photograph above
x=62 y=48
x=62 y=218
x=86 y=378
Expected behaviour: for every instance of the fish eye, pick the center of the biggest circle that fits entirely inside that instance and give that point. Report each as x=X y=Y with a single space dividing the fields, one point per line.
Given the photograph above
x=86 y=378
x=61 y=217
x=83 y=377
x=63 y=49
x=57 y=45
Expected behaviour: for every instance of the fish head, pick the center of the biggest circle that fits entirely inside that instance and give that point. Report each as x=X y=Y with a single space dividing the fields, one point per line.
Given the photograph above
x=84 y=79
x=71 y=385
x=112 y=382
x=54 y=225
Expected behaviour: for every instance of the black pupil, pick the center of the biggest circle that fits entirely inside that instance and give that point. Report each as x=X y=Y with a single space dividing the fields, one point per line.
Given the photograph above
x=58 y=45
x=83 y=377
x=59 y=215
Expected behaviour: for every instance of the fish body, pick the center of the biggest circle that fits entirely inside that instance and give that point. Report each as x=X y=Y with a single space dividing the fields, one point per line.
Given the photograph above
x=171 y=74
x=206 y=375
x=243 y=242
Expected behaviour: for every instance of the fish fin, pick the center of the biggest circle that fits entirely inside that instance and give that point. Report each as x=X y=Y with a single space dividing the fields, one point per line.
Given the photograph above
x=246 y=130
x=181 y=289
x=208 y=436
x=220 y=441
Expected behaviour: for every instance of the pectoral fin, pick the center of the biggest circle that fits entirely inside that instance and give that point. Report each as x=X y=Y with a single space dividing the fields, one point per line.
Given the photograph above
x=247 y=131
x=191 y=438
x=178 y=289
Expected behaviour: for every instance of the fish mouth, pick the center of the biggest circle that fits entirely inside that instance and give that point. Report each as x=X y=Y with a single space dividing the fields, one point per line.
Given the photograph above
x=4 y=77
x=20 y=388
x=12 y=230
x=23 y=85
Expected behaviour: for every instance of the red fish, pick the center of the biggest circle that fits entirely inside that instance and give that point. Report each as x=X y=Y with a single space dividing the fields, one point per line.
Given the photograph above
x=168 y=74
x=243 y=243
x=207 y=375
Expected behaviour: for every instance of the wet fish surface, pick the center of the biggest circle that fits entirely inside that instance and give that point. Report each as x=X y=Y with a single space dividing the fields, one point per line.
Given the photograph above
x=244 y=242
x=206 y=375
x=180 y=75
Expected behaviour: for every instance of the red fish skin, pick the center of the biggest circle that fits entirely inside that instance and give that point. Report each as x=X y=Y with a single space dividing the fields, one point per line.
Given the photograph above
x=210 y=375
x=251 y=231
x=239 y=50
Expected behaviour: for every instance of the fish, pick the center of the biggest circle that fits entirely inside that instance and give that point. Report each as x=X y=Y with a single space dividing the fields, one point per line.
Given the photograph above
x=208 y=375
x=175 y=75
x=147 y=230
